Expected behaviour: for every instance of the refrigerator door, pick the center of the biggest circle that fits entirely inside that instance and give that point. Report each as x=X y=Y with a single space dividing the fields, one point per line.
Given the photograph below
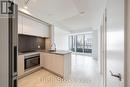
x=15 y=82
x=13 y=42
x=8 y=45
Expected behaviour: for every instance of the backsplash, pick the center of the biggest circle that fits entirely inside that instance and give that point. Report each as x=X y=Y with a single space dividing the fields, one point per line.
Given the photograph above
x=30 y=43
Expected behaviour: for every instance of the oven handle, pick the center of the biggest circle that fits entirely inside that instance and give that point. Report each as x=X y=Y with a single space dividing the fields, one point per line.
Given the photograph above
x=31 y=57
x=26 y=60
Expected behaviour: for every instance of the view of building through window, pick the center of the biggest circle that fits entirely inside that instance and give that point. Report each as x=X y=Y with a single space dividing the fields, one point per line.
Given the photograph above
x=81 y=43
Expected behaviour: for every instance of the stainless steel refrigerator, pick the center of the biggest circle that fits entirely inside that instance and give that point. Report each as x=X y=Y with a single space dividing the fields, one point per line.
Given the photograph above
x=8 y=44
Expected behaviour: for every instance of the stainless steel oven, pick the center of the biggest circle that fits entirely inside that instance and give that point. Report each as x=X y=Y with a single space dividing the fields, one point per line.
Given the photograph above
x=31 y=61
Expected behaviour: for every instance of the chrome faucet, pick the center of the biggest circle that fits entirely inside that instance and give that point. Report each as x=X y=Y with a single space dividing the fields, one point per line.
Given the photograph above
x=53 y=44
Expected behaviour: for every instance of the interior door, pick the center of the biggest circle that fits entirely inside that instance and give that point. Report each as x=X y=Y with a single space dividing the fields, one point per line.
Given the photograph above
x=115 y=43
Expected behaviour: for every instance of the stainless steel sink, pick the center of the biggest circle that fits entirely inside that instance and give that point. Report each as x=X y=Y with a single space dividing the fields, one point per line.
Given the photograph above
x=52 y=50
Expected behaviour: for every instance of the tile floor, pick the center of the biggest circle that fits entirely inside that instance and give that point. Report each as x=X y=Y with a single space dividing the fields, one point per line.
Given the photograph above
x=84 y=74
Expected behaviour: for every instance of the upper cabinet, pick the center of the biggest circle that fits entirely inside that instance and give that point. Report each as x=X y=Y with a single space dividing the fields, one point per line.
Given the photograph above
x=31 y=26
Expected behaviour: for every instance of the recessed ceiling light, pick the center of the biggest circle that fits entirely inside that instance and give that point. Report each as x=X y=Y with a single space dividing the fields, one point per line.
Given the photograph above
x=25 y=7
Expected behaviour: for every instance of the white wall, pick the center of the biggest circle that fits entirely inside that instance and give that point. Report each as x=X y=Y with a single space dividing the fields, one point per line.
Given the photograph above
x=61 y=39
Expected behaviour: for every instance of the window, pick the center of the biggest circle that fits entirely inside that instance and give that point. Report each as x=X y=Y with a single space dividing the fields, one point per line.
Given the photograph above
x=81 y=43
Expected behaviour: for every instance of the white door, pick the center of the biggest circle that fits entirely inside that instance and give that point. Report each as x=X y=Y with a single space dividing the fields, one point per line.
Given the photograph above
x=115 y=43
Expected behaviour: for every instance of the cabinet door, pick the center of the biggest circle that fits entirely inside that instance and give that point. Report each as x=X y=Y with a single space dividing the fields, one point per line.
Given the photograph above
x=29 y=26
x=20 y=65
x=20 y=24
x=53 y=62
x=41 y=59
x=58 y=64
x=43 y=30
x=47 y=61
x=33 y=27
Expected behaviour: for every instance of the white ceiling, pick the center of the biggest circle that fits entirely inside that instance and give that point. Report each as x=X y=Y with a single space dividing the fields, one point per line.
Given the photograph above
x=73 y=15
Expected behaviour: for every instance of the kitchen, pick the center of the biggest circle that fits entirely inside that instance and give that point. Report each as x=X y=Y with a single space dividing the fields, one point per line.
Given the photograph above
x=37 y=49
x=44 y=49
x=62 y=43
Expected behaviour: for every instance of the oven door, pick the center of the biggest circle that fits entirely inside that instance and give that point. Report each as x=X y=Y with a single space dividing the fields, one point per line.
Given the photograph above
x=31 y=62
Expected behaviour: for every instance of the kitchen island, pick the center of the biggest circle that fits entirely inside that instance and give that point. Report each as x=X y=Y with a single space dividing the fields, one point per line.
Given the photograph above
x=58 y=62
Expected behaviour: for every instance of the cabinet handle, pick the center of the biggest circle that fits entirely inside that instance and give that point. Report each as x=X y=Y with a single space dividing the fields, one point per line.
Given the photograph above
x=15 y=58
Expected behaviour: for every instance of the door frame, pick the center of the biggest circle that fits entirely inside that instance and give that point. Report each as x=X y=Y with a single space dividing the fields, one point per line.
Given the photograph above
x=103 y=48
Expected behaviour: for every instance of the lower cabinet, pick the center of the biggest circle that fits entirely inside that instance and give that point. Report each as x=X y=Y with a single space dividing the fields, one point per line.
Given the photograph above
x=56 y=63
x=53 y=62
x=58 y=66
x=47 y=60
x=20 y=65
